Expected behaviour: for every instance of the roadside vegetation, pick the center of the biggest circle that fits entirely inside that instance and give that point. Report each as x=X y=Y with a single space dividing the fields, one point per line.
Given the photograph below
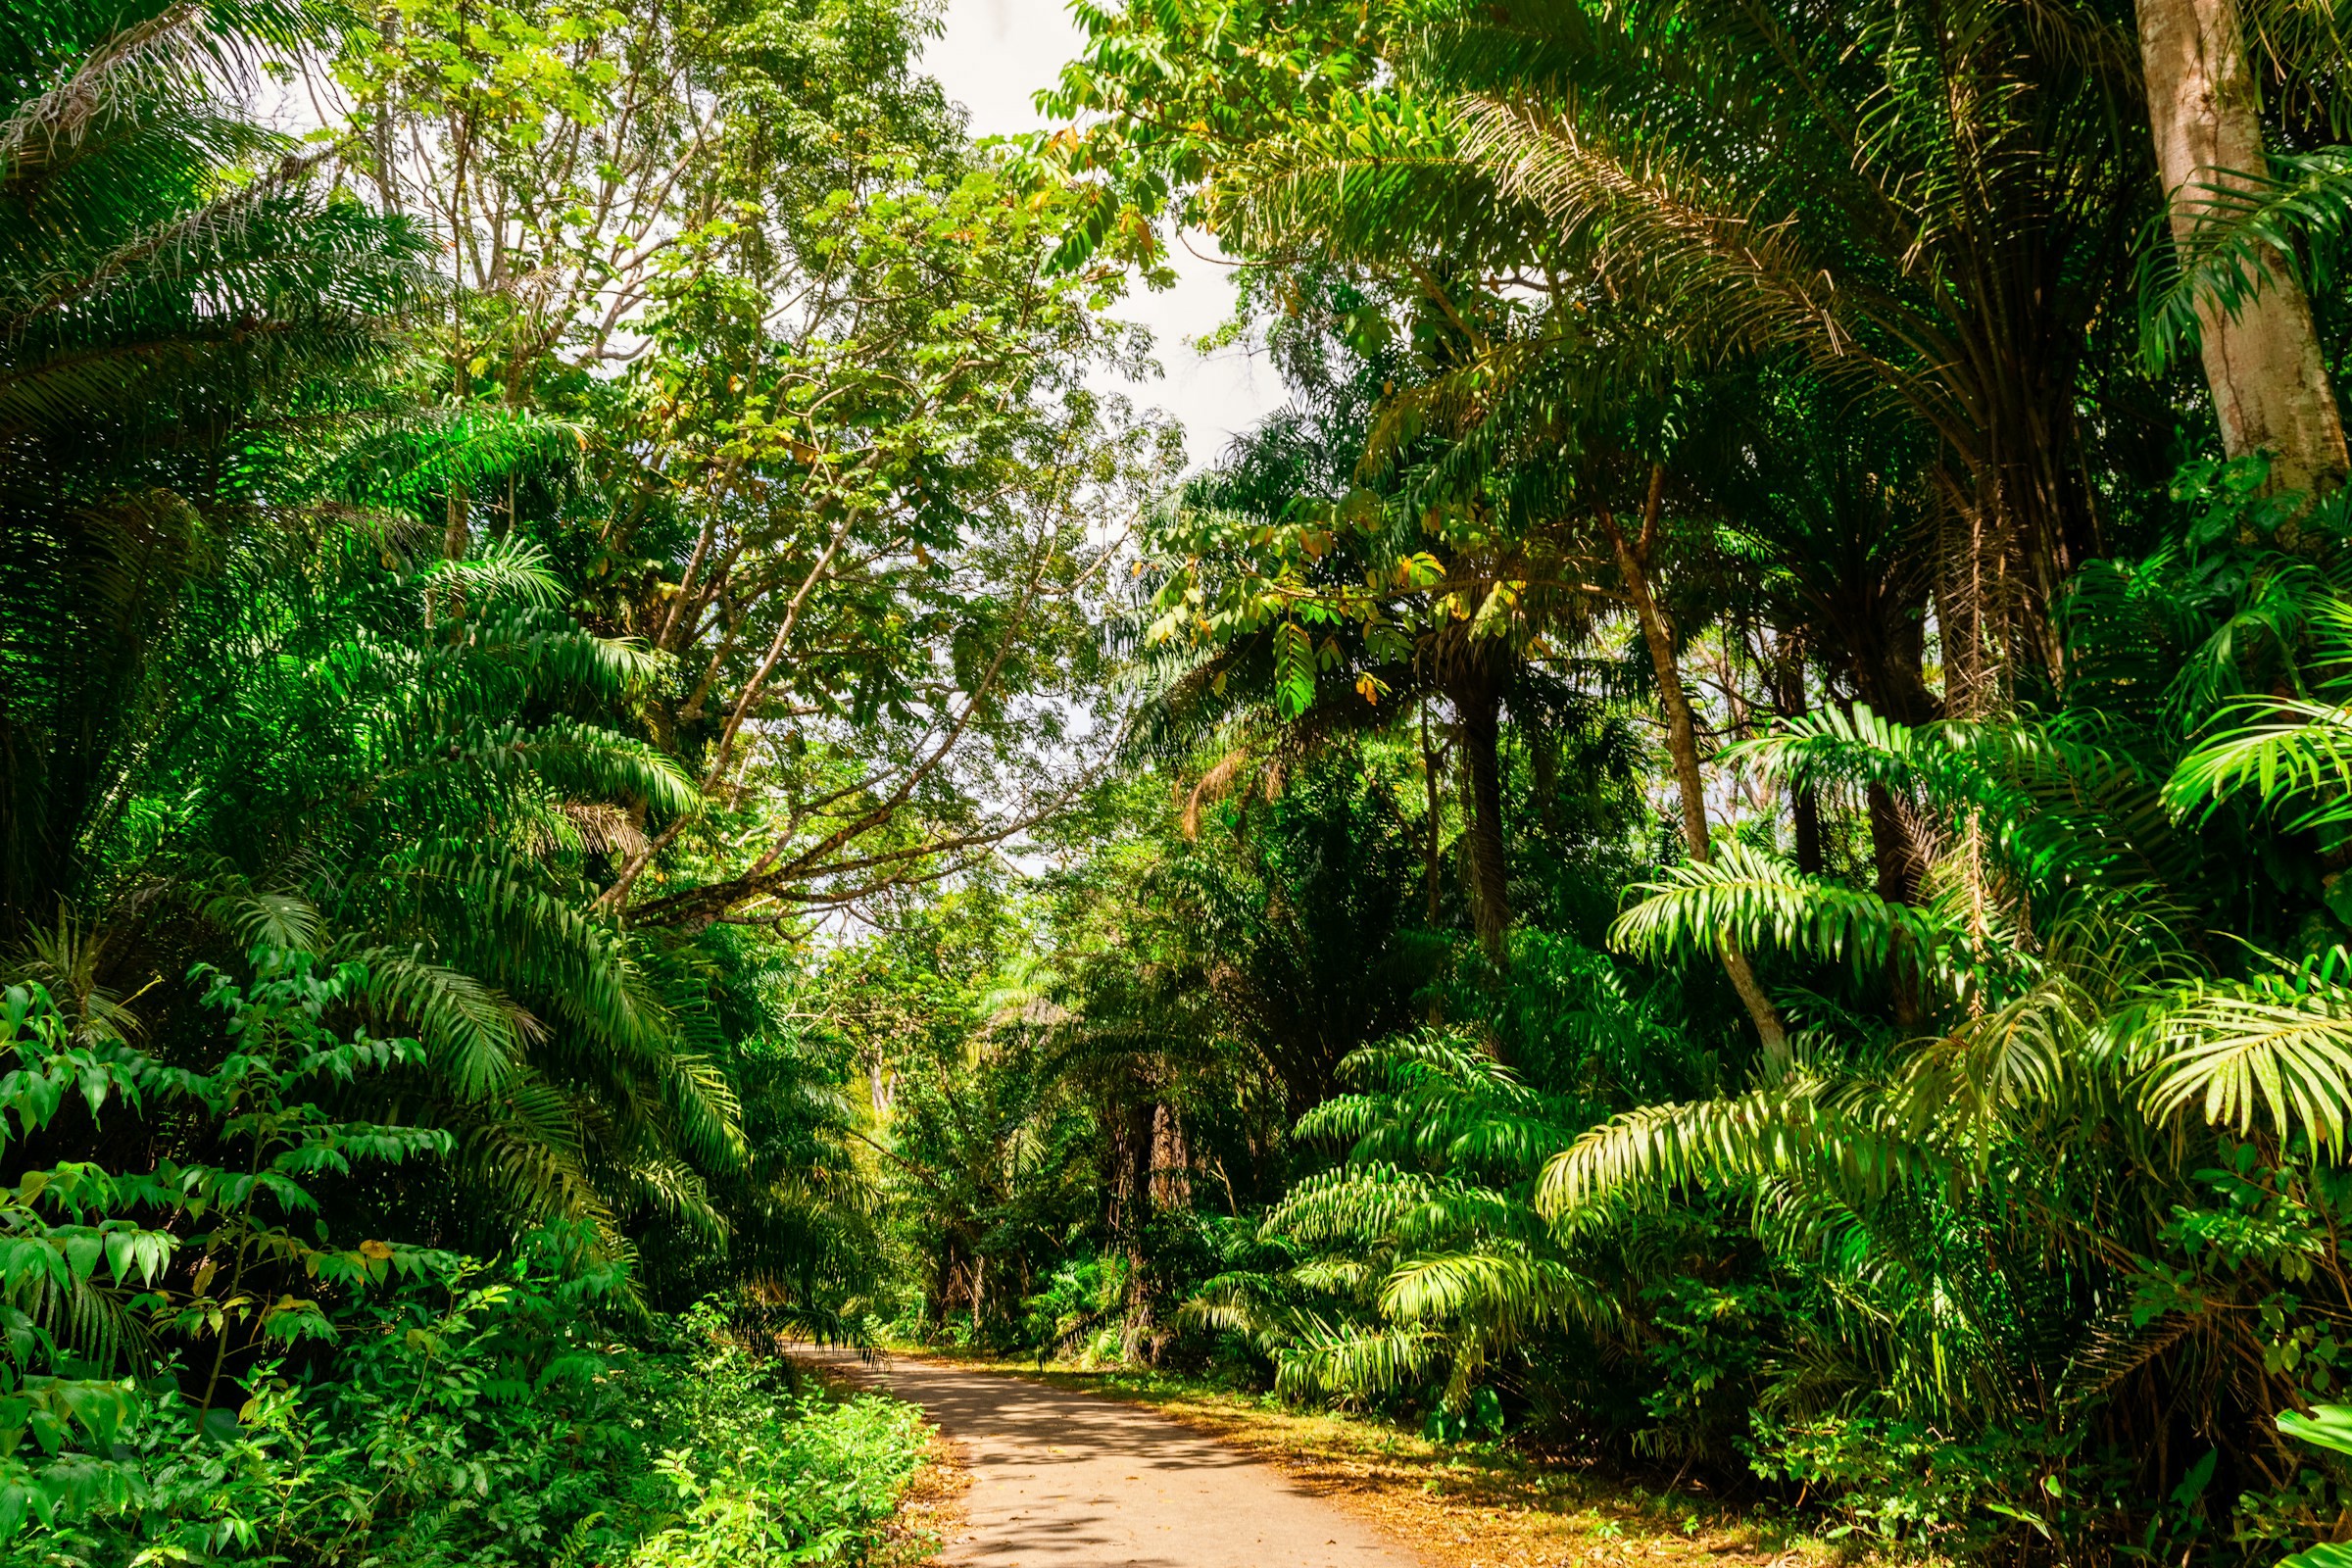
x=483 y=560
x=1713 y=869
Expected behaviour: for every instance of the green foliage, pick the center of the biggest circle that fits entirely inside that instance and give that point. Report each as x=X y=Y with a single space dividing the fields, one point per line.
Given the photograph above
x=477 y=1415
x=1709 y=852
x=1906 y=1482
x=1422 y=1256
x=413 y=1401
x=769 y=1480
x=90 y=1250
x=2246 y=232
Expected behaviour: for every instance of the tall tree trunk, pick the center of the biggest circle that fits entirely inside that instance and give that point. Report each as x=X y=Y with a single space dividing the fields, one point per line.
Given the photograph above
x=1430 y=847
x=1171 y=1161
x=1896 y=851
x=1892 y=682
x=1892 y=845
x=457 y=537
x=1682 y=744
x=1131 y=1189
x=1479 y=704
x=943 y=1285
x=1804 y=802
x=1137 y=1127
x=1804 y=811
x=2269 y=384
x=387 y=181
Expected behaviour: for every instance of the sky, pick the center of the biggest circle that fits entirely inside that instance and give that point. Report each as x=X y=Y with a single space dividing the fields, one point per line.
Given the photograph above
x=993 y=56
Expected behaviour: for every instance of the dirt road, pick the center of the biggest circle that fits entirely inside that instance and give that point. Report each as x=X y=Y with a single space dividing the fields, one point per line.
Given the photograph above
x=1066 y=1480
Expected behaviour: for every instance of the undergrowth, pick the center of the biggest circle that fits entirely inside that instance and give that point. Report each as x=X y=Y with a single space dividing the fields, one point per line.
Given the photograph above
x=481 y=1429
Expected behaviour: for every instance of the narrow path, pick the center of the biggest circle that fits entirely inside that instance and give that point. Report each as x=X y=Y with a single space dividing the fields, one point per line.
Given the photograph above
x=1064 y=1479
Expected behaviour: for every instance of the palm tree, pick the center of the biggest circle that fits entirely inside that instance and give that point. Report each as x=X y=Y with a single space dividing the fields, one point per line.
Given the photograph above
x=1928 y=202
x=2076 y=1026
x=1420 y=1258
x=1343 y=585
x=175 y=285
x=245 y=699
x=1825 y=537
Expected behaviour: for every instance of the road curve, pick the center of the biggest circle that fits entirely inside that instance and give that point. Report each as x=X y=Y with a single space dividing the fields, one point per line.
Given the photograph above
x=1064 y=1480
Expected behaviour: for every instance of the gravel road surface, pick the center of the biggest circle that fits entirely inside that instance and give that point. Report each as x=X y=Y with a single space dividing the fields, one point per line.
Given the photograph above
x=1064 y=1480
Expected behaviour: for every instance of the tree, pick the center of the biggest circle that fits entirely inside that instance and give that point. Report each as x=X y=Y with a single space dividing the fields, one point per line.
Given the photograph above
x=177 y=286
x=839 y=455
x=2269 y=383
x=1898 y=260
x=240 y=706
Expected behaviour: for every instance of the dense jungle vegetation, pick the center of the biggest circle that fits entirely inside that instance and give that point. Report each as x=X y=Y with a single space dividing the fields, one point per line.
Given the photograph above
x=1721 y=852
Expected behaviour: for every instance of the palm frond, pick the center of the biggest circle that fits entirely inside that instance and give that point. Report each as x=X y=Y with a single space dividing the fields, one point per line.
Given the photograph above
x=1783 y=1129
x=2276 y=1047
x=2249 y=230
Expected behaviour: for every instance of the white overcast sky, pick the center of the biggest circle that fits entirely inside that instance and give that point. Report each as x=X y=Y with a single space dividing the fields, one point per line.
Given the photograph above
x=992 y=57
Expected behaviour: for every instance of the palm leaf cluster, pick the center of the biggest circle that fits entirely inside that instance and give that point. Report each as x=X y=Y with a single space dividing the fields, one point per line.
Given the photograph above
x=2086 y=1046
x=1420 y=1261
x=254 y=698
x=177 y=285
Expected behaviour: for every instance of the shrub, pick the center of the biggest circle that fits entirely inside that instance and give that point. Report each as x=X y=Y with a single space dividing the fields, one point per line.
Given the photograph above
x=381 y=1404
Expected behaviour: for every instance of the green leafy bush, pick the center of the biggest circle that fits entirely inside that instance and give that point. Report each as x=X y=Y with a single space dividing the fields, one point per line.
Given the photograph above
x=1908 y=1481
x=767 y=1480
x=472 y=1409
x=185 y=1380
x=480 y=1420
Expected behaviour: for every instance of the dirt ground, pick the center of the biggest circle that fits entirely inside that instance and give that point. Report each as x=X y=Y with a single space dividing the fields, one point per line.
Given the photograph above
x=1061 y=1479
x=1035 y=1501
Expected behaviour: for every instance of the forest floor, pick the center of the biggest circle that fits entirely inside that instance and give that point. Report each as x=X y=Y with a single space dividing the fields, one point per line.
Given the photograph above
x=1323 y=1488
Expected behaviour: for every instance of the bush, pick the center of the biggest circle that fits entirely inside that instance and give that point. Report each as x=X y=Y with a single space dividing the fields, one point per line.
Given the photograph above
x=491 y=1427
x=775 y=1483
x=291 y=1401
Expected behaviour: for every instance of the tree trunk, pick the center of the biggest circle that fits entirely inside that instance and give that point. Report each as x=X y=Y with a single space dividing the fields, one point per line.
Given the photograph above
x=943 y=1287
x=1134 y=1333
x=1804 y=809
x=1171 y=1161
x=1480 y=707
x=1128 y=1198
x=1890 y=846
x=1430 y=764
x=387 y=181
x=457 y=537
x=1896 y=851
x=1682 y=745
x=2269 y=384
x=1892 y=683
x=1804 y=803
